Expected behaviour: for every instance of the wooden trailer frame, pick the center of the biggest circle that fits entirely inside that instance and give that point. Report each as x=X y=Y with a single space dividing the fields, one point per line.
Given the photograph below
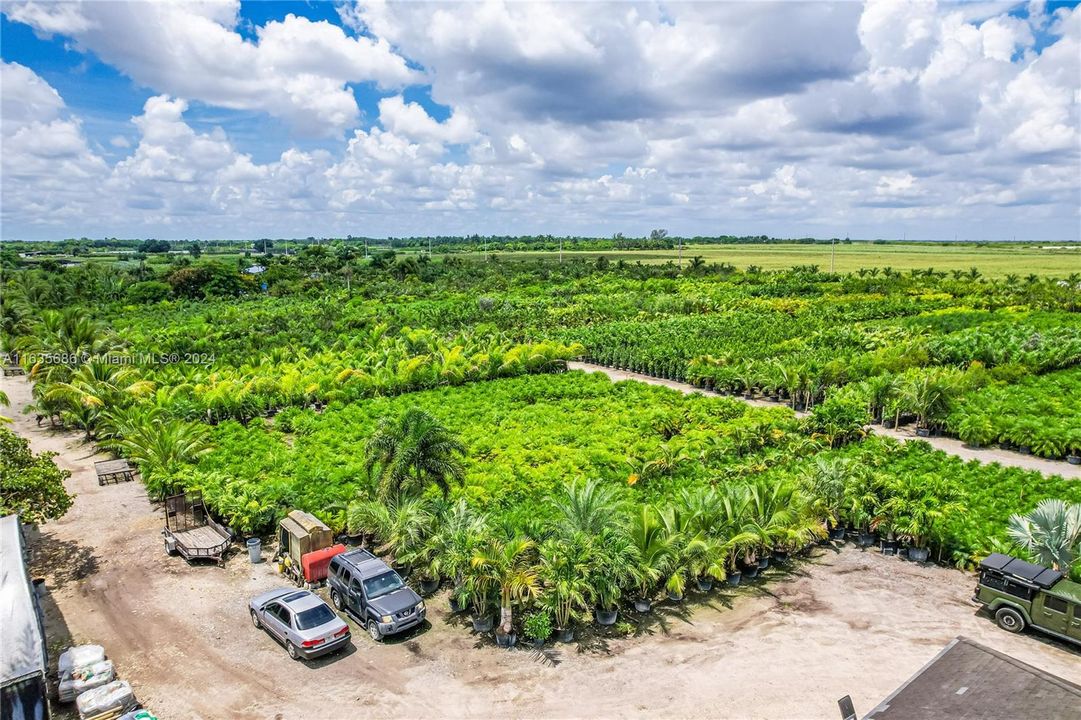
x=190 y=531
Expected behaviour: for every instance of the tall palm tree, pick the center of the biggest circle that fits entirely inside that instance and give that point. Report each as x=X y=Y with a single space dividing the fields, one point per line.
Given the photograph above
x=1051 y=533
x=587 y=507
x=505 y=567
x=412 y=452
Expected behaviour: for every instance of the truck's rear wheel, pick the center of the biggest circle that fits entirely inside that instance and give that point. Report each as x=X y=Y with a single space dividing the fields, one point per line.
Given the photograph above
x=1010 y=620
x=336 y=600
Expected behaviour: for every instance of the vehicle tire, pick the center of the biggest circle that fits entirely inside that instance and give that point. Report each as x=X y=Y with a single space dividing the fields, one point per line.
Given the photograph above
x=336 y=600
x=292 y=650
x=255 y=621
x=1010 y=620
x=373 y=630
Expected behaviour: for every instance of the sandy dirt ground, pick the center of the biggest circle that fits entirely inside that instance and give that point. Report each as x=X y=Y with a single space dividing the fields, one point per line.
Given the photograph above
x=842 y=622
x=950 y=445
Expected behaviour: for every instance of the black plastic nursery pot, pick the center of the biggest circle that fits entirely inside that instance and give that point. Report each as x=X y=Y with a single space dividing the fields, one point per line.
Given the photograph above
x=734 y=577
x=455 y=605
x=866 y=539
x=889 y=547
x=675 y=597
x=428 y=586
x=705 y=584
x=643 y=605
x=607 y=617
x=923 y=432
x=507 y=640
x=837 y=533
x=482 y=624
x=1073 y=459
x=780 y=556
x=565 y=635
x=888 y=424
x=538 y=643
x=918 y=554
x=1024 y=449
x=763 y=563
x=751 y=572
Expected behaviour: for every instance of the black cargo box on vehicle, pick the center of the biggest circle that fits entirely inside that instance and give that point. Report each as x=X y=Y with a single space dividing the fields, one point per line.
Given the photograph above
x=1035 y=575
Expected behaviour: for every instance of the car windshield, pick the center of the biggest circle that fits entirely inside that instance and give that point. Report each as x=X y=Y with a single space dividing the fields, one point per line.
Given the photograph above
x=382 y=584
x=314 y=617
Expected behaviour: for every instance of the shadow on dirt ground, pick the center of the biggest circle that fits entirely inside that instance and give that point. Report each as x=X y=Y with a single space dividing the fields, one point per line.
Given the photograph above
x=60 y=561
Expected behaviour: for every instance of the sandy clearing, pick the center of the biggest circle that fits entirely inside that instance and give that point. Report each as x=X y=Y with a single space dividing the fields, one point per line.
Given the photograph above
x=946 y=444
x=844 y=622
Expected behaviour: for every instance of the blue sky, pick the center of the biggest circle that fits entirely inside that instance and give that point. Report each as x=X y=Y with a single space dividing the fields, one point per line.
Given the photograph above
x=305 y=118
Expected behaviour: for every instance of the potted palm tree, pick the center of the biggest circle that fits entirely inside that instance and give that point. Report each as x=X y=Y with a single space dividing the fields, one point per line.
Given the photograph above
x=474 y=592
x=506 y=568
x=706 y=560
x=565 y=569
x=652 y=553
x=915 y=509
x=461 y=531
x=609 y=575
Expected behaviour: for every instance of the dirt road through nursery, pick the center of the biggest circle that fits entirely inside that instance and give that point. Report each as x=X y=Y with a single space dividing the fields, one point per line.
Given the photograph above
x=949 y=445
x=842 y=622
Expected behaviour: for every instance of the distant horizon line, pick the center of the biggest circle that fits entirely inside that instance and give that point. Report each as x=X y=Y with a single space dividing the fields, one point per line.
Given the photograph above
x=716 y=239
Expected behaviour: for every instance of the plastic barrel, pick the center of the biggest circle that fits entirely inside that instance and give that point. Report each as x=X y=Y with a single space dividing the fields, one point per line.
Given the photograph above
x=254 y=548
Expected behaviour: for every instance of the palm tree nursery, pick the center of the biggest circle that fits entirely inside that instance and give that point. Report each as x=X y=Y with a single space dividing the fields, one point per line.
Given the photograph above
x=424 y=408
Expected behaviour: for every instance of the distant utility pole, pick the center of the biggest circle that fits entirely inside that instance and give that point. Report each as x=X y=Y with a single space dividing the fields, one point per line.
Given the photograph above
x=833 y=253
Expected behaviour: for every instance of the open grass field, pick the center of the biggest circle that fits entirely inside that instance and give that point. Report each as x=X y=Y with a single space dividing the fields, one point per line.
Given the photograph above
x=991 y=260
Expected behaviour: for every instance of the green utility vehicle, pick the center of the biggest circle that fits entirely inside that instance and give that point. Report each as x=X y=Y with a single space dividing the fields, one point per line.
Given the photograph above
x=1020 y=594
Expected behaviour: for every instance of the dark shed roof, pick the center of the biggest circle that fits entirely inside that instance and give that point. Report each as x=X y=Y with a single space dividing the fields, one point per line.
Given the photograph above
x=1035 y=574
x=968 y=681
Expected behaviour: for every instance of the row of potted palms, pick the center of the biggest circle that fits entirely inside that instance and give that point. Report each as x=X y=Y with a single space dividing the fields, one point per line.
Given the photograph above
x=597 y=551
